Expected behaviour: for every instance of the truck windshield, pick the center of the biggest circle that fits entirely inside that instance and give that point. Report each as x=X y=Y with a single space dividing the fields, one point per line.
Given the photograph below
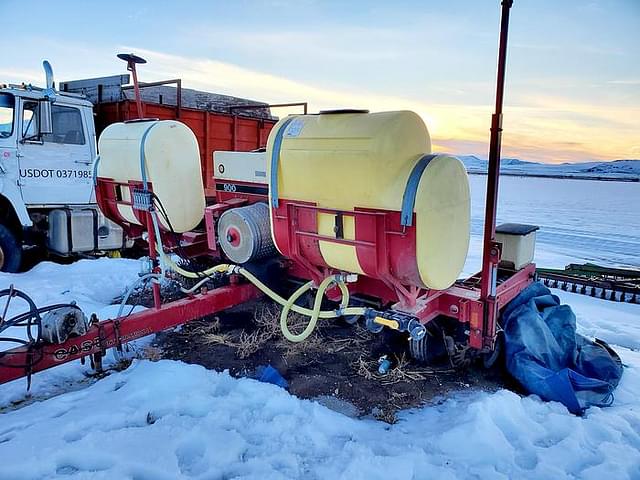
x=6 y=114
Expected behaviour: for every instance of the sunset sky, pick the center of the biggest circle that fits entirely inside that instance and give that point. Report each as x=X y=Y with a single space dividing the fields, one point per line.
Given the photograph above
x=573 y=78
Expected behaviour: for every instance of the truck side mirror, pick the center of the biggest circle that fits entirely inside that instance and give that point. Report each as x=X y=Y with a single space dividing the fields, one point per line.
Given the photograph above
x=44 y=117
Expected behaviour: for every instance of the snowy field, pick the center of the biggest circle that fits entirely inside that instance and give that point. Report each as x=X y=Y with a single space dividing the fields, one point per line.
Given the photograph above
x=580 y=220
x=168 y=420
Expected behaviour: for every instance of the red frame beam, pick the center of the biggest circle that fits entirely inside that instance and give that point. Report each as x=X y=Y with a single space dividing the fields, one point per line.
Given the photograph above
x=465 y=304
x=111 y=333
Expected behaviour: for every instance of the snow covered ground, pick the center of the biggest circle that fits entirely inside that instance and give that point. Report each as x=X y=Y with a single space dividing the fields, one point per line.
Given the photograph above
x=169 y=420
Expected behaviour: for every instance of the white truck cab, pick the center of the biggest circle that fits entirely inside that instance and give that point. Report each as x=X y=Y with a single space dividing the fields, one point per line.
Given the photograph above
x=47 y=150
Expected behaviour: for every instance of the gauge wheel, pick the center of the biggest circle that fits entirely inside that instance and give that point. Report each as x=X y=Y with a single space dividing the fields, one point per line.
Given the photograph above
x=418 y=349
x=431 y=348
x=10 y=251
x=489 y=359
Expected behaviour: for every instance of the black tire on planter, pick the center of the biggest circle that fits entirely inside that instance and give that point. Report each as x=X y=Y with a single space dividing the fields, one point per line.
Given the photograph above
x=11 y=253
x=418 y=350
x=430 y=349
x=497 y=355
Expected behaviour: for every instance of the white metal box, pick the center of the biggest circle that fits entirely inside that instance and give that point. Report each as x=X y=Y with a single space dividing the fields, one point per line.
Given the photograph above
x=82 y=230
x=110 y=234
x=240 y=166
x=518 y=244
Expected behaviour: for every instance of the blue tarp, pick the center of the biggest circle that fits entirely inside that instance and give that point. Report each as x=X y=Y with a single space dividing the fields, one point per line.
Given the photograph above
x=544 y=353
x=268 y=374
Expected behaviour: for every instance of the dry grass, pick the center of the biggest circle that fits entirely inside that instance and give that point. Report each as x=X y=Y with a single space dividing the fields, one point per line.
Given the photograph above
x=362 y=334
x=214 y=325
x=250 y=343
x=357 y=342
x=211 y=335
x=314 y=343
x=218 y=339
x=152 y=353
x=363 y=368
x=245 y=344
x=402 y=371
x=267 y=321
x=296 y=323
x=339 y=344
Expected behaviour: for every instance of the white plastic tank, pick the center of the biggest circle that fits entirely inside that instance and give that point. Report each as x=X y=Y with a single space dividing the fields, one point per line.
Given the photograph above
x=171 y=164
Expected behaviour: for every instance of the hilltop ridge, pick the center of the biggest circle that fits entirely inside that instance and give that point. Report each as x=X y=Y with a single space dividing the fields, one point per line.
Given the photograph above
x=622 y=170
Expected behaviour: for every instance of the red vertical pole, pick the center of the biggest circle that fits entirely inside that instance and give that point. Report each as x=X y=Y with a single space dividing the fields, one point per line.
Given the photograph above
x=491 y=250
x=136 y=89
x=131 y=60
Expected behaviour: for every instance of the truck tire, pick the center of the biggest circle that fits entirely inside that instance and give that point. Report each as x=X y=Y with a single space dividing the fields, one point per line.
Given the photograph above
x=10 y=251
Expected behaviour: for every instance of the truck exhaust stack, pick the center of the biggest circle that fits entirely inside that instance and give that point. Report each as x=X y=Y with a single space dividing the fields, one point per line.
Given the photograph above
x=48 y=72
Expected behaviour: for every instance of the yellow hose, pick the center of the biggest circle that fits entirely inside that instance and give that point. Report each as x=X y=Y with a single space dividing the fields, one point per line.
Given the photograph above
x=287 y=305
x=315 y=314
x=297 y=308
x=223 y=267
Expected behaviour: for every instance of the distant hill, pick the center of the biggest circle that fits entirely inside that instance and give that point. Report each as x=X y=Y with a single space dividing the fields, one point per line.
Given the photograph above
x=622 y=170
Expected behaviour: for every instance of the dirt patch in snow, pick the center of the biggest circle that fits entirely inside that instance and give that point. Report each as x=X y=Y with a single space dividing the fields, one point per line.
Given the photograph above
x=337 y=365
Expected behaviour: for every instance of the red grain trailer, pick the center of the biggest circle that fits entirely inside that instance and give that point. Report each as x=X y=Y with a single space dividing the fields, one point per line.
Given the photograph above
x=220 y=122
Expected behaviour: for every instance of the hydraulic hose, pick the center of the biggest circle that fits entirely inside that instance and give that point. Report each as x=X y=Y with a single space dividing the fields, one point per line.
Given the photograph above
x=315 y=314
x=142 y=280
x=167 y=260
x=343 y=310
x=287 y=304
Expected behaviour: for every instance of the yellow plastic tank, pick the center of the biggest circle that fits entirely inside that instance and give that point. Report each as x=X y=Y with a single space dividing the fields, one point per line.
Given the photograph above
x=347 y=160
x=172 y=165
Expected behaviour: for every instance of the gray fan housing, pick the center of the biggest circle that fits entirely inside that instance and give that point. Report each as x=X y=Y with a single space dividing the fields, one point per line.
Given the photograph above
x=245 y=233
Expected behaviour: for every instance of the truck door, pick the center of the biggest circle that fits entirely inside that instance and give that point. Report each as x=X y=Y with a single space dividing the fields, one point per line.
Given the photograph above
x=55 y=169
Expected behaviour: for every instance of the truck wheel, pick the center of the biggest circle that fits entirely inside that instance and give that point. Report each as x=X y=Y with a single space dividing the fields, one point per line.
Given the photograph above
x=10 y=251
